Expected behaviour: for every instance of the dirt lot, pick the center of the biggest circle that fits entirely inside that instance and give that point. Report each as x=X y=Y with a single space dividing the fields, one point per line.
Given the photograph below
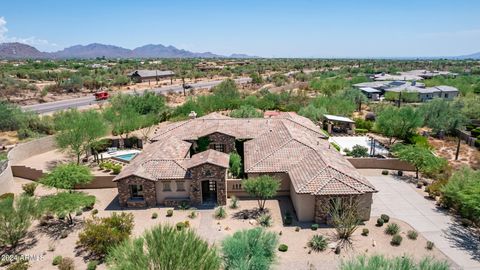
x=48 y=244
x=469 y=156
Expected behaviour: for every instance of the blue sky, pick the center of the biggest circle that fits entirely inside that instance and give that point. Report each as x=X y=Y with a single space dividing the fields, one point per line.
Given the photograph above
x=279 y=28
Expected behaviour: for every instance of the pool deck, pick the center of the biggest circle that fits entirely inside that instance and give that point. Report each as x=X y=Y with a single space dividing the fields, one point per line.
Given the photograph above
x=347 y=142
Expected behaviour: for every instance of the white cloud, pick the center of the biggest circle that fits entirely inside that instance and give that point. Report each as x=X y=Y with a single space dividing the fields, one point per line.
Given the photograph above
x=30 y=40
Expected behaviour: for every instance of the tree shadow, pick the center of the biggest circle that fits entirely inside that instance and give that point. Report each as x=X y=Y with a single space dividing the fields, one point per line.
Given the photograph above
x=465 y=238
x=26 y=243
x=57 y=229
x=250 y=213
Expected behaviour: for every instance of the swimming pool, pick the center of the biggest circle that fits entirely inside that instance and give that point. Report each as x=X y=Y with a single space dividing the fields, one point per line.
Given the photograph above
x=126 y=157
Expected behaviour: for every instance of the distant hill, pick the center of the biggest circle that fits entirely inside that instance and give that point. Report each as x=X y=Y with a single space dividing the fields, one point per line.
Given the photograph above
x=17 y=50
x=94 y=50
x=470 y=56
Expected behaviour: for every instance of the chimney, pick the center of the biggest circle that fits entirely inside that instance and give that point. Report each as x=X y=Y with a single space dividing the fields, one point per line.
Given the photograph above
x=192 y=115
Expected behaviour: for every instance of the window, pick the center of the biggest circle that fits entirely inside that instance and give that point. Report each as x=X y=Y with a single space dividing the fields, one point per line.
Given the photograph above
x=166 y=186
x=220 y=147
x=180 y=186
x=136 y=191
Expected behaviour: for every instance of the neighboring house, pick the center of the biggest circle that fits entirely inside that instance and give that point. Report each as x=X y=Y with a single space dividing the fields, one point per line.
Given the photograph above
x=150 y=75
x=428 y=93
x=412 y=75
x=371 y=93
x=288 y=147
x=424 y=93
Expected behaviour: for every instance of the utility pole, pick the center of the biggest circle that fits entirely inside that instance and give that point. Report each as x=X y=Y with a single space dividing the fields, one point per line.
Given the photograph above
x=458 y=148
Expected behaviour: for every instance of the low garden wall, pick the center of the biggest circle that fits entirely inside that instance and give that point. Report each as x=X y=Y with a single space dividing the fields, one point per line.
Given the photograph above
x=99 y=181
x=25 y=150
x=381 y=163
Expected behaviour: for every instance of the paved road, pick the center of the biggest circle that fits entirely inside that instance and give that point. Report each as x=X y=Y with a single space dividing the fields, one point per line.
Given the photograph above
x=90 y=100
x=400 y=200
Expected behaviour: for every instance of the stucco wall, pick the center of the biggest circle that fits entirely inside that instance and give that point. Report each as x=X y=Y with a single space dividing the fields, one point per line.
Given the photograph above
x=381 y=163
x=161 y=195
x=99 y=181
x=304 y=205
x=6 y=178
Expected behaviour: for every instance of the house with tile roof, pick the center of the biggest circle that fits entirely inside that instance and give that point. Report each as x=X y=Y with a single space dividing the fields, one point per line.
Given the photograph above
x=290 y=148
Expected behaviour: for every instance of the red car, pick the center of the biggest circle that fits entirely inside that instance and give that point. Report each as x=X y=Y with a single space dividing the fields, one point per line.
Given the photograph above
x=103 y=95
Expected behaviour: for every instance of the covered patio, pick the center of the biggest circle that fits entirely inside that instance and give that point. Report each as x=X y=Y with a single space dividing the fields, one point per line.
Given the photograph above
x=338 y=124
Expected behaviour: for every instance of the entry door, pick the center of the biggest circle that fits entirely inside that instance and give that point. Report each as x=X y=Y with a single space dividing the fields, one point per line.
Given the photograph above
x=209 y=191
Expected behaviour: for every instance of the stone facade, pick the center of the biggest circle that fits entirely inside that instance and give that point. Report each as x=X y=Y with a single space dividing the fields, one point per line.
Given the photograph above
x=149 y=193
x=208 y=172
x=220 y=138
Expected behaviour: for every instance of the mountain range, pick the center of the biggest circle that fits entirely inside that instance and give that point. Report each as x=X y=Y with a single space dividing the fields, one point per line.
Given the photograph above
x=17 y=50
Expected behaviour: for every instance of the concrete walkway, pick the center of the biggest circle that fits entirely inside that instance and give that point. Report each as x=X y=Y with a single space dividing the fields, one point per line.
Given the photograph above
x=400 y=200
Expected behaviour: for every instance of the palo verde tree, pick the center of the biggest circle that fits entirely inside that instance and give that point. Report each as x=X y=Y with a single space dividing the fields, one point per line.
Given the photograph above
x=76 y=131
x=164 y=247
x=443 y=116
x=16 y=216
x=66 y=203
x=422 y=158
x=67 y=176
x=263 y=187
x=398 y=123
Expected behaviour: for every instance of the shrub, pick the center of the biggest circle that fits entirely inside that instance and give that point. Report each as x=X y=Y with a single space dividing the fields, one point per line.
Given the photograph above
x=385 y=172
x=78 y=213
x=19 y=265
x=116 y=168
x=461 y=193
x=361 y=131
x=66 y=264
x=314 y=227
x=7 y=195
x=430 y=245
x=385 y=218
x=318 y=243
x=336 y=146
x=154 y=215
x=184 y=205
x=365 y=232
x=220 y=213
x=235 y=164
x=169 y=212
x=250 y=249
x=380 y=222
x=396 y=240
x=358 y=151
x=92 y=265
x=180 y=226
x=234 y=202
x=412 y=234
x=392 y=229
x=265 y=220
x=94 y=211
x=56 y=260
x=29 y=188
x=297 y=229
x=282 y=248
x=192 y=215
x=363 y=262
x=100 y=234
x=164 y=247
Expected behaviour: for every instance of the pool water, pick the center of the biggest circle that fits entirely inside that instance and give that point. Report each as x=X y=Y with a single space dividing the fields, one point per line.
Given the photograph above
x=126 y=157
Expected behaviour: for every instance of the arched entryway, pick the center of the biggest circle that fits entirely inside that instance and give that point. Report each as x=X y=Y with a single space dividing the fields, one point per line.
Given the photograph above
x=209 y=191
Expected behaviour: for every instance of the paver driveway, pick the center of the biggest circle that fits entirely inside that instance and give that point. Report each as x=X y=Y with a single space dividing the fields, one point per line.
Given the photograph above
x=400 y=200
